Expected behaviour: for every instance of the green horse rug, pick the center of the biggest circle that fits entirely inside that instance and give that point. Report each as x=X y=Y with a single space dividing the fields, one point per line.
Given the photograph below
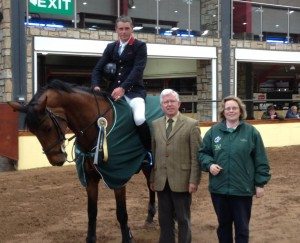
x=125 y=150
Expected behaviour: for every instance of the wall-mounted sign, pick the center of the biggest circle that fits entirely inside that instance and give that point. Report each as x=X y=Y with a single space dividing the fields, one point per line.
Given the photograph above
x=62 y=7
x=260 y=96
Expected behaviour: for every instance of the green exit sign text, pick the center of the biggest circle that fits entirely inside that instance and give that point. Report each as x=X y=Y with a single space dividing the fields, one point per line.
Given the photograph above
x=62 y=7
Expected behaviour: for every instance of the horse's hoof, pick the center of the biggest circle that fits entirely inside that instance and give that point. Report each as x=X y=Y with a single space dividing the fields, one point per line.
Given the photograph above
x=127 y=237
x=148 y=224
x=91 y=239
x=149 y=219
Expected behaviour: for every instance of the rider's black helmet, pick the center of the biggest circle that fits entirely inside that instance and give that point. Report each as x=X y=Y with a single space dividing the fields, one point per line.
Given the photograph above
x=109 y=71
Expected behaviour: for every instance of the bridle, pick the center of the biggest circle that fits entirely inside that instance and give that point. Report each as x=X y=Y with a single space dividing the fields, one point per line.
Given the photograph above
x=61 y=136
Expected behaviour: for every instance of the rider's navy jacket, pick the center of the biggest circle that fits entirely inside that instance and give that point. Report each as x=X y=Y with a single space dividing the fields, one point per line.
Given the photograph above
x=130 y=67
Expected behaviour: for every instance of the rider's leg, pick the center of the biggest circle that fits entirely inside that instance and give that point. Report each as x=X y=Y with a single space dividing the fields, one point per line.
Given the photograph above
x=138 y=109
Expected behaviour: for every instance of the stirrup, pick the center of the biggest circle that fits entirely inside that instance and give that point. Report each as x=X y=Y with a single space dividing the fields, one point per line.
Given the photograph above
x=148 y=160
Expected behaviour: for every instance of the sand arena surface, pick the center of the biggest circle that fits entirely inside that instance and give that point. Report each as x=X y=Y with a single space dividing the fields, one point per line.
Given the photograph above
x=49 y=205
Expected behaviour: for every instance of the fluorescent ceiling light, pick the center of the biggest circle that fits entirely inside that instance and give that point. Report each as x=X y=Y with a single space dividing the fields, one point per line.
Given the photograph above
x=205 y=32
x=138 y=27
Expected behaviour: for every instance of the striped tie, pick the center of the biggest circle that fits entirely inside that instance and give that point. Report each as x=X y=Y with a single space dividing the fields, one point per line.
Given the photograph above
x=169 y=128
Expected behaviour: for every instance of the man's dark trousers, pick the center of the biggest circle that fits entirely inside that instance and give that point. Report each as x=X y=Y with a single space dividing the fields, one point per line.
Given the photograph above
x=180 y=209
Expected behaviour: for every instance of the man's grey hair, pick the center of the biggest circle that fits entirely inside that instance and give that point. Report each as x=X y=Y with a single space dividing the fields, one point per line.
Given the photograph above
x=168 y=92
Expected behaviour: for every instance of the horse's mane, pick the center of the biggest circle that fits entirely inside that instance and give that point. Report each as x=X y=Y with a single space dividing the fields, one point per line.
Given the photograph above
x=58 y=85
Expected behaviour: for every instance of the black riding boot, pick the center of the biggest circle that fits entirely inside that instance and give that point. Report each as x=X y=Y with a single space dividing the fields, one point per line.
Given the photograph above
x=145 y=136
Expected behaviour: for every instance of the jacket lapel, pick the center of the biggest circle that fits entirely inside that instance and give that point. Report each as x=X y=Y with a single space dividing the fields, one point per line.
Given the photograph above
x=179 y=123
x=162 y=127
x=128 y=46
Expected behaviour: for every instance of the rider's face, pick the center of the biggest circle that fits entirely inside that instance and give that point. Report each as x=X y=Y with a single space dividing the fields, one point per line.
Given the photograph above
x=124 y=31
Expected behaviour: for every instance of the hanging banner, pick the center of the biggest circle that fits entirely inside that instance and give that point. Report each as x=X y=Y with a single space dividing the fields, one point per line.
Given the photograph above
x=61 y=7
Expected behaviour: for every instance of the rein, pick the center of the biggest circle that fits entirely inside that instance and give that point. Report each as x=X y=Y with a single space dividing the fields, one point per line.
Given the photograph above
x=81 y=132
x=61 y=135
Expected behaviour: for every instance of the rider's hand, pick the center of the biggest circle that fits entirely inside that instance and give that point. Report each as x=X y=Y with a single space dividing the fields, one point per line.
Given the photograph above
x=117 y=93
x=97 y=89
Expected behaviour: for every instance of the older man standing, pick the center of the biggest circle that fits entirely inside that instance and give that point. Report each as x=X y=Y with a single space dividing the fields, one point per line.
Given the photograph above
x=176 y=174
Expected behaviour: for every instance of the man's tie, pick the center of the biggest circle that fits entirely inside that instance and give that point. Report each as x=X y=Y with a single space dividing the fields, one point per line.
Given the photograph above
x=169 y=127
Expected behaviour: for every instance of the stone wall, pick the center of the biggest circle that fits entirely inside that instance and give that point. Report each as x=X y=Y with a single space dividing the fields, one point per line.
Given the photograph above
x=248 y=44
x=5 y=56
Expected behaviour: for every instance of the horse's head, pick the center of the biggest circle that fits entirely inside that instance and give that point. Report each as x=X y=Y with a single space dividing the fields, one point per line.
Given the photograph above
x=48 y=127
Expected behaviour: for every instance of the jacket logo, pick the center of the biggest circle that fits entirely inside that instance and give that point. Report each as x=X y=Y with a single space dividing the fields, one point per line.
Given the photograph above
x=217 y=147
x=243 y=140
x=217 y=139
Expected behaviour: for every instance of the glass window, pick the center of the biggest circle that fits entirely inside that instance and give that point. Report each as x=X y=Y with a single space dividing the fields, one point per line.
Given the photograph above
x=175 y=17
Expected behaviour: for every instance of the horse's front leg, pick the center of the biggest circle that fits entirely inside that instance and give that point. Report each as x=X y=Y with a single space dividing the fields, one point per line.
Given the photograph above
x=122 y=216
x=151 y=204
x=92 y=194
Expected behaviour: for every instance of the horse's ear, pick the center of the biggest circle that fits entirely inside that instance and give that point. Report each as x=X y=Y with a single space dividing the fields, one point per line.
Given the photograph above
x=41 y=105
x=18 y=106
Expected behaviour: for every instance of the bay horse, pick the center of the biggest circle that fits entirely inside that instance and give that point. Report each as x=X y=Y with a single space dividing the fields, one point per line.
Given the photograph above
x=60 y=106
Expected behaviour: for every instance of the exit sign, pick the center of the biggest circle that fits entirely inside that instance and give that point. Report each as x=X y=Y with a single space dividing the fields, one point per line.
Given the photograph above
x=62 y=7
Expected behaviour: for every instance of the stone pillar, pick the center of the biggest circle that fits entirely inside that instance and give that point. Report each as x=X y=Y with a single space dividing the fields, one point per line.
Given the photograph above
x=209 y=17
x=225 y=10
x=204 y=86
x=5 y=56
x=18 y=50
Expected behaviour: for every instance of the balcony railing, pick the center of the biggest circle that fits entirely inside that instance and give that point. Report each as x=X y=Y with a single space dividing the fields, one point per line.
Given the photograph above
x=163 y=17
x=265 y=22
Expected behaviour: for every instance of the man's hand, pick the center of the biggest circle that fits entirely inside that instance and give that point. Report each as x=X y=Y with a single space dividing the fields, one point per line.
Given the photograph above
x=117 y=93
x=192 y=188
x=152 y=186
x=215 y=169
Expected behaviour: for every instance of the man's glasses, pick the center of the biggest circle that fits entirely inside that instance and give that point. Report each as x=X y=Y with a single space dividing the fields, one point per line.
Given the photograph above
x=171 y=102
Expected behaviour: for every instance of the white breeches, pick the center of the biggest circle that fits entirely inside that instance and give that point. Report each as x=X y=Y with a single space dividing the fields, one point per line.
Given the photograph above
x=138 y=109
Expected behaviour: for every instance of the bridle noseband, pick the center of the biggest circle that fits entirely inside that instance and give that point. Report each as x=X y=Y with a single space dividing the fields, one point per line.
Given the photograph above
x=61 y=135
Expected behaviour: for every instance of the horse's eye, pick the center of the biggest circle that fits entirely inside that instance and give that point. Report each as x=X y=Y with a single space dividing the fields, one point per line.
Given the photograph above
x=47 y=128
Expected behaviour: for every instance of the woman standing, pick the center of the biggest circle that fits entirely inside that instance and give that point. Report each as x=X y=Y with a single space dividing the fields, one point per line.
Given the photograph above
x=234 y=155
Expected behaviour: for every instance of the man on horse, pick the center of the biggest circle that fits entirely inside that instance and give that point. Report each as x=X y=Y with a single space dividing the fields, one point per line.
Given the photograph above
x=123 y=63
